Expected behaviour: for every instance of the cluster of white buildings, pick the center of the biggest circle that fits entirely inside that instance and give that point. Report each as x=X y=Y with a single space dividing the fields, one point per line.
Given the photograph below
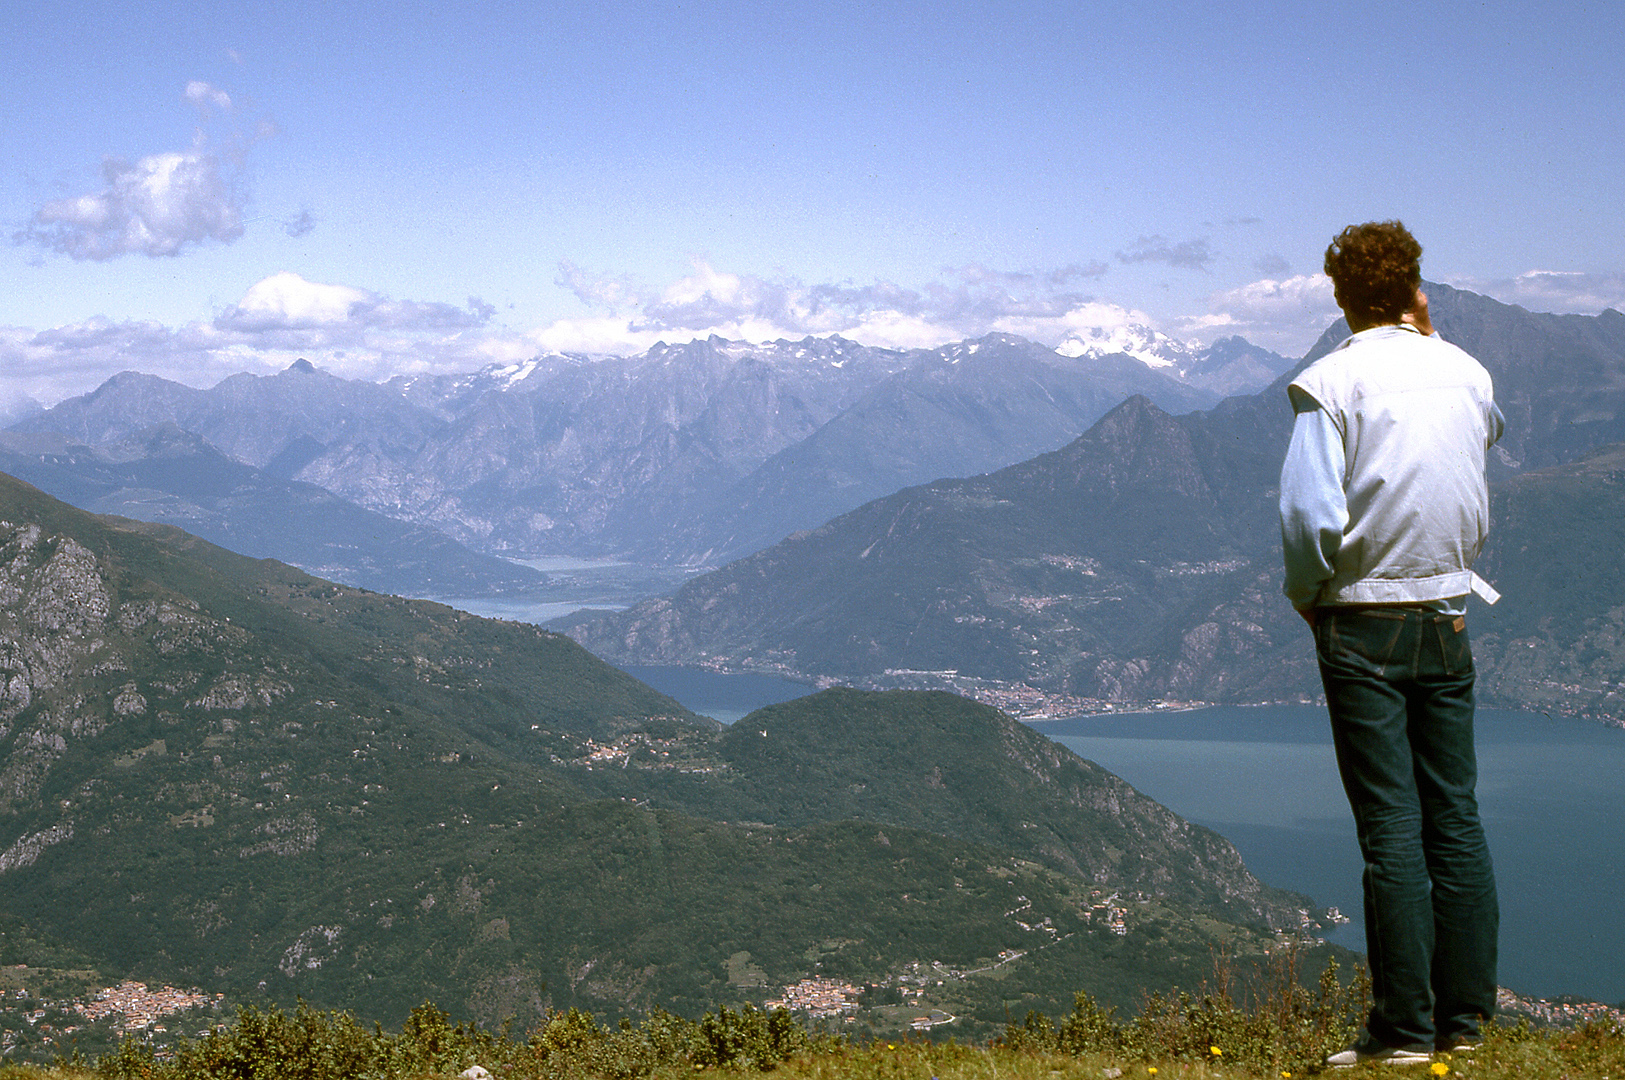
x=637 y=749
x=1113 y=916
x=819 y=998
x=141 y=1007
x=1564 y=1014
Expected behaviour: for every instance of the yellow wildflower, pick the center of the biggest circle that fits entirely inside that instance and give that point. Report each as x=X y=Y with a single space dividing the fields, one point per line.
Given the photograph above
x=1440 y=1068
x=1215 y=1051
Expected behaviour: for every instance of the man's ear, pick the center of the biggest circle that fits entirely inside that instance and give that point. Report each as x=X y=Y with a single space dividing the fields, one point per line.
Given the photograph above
x=1417 y=314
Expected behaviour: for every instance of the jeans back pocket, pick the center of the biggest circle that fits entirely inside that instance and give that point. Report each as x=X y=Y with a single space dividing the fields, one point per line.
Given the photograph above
x=1364 y=639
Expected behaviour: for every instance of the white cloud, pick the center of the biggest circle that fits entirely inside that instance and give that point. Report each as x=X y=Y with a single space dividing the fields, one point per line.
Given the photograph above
x=156 y=206
x=162 y=204
x=288 y=307
x=967 y=302
x=287 y=301
x=1286 y=314
x=1553 y=291
x=203 y=95
x=594 y=334
x=52 y=364
x=350 y=331
x=358 y=333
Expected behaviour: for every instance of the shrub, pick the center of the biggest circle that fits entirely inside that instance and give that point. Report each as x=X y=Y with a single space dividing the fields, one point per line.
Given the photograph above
x=311 y=1045
x=748 y=1039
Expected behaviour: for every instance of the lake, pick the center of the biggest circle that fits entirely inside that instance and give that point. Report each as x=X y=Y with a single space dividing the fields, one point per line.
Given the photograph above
x=1549 y=793
x=727 y=698
x=572 y=585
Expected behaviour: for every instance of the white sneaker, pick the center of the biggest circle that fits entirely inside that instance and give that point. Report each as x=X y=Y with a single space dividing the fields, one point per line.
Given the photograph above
x=1387 y=1055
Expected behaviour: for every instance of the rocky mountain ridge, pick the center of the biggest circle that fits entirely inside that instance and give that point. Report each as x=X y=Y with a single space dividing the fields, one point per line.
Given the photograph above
x=695 y=452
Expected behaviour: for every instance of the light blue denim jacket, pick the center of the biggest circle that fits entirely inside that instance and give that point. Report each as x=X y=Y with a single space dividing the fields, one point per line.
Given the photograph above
x=1383 y=498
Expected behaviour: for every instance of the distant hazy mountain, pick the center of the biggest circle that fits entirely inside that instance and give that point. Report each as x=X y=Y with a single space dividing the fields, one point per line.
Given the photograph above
x=1228 y=367
x=694 y=453
x=1141 y=561
x=563 y=454
x=222 y=772
x=1234 y=366
x=275 y=423
x=958 y=410
x=19 y=409
x=163 y=474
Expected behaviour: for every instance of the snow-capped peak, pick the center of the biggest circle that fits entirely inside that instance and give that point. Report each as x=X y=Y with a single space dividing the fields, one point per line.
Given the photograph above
x=1151 y=347
x=506 y=375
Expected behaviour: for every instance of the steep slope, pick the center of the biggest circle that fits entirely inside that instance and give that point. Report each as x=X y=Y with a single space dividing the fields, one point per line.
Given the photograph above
x=1228 y=367
x=166 y=475
x=1234 y=366
x=222 y=772
x=1556 y=641
x=945 y=764
x=607 y=455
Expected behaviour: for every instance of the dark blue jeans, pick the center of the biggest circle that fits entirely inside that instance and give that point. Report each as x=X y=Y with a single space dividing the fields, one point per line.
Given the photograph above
x=1399 y=686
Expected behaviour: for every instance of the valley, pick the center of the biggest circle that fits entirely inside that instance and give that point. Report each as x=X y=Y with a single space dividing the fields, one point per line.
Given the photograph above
x=377 y=799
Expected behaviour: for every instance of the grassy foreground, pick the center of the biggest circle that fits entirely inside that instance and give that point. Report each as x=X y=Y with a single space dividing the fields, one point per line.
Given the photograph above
x=1575 y=1055
x=1275 y=1032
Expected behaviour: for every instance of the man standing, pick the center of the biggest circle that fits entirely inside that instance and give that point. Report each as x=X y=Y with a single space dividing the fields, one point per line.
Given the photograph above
x=1383 y=509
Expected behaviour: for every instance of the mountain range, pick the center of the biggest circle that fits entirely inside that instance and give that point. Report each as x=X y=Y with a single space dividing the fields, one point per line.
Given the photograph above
x=1140 y=562
x=693 y=453
x=254 y=780
x=166 y=475
x=223 y=772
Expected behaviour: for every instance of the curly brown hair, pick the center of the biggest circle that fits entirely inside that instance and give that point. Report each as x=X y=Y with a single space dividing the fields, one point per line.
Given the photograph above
x=1376 y=269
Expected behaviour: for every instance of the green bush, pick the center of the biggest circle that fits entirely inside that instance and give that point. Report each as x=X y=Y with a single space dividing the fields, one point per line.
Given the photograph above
x=269 y=1045
x=312 y=1045
x=748 y=1039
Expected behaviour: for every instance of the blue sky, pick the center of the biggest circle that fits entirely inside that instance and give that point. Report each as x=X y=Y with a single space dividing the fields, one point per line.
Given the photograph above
x=197 y=189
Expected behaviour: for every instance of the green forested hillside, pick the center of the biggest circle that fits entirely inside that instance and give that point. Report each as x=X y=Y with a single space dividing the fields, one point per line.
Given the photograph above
x=221 y=772
x=943 y=763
